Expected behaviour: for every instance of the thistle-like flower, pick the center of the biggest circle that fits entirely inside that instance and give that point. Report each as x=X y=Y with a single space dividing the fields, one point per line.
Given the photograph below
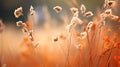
x=74 y=20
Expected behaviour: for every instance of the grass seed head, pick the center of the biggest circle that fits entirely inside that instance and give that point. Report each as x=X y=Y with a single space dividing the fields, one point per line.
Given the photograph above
x=74 y=10
x=18 y=12
x=88 y=14
x=19 y=23
x=108 y=12
x=82 y=8
x=57 y=9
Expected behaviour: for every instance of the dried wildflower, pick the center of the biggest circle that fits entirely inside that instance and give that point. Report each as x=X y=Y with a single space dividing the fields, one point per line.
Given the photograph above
x=74 y=20
x=83 y=35
x=19 y=23
x=89 y=26
x=106 y=3
x=74 y=10
x=82 y=8
x=108 y=12
x=88 y=14
x=18 y=12
x=57 y=9
x=111 y=3
x=1 y=26
x=32 y=12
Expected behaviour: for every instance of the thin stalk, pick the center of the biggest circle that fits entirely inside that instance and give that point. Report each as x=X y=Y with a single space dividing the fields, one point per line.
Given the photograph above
x=1 y=56
x=68 y=51
x=109 y=56
x=90 y=51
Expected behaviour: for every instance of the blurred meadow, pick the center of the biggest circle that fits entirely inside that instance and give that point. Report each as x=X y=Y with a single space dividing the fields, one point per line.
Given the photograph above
x=59 y=33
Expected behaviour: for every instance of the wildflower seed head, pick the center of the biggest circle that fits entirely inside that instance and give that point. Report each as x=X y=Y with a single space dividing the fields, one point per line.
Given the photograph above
x=111 y=3
x=82 y=8
x=88 y=14
x=108 y=12
x=57 y=9
x=74 y=10
x=89 y=26
x=83 y=35
x=32 y=12
x=31 y=8
x=18 y=12
x=106 y=3
x=19 y=23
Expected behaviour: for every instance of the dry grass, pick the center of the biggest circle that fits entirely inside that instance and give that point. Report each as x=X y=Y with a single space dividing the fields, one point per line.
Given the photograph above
x=95 y=45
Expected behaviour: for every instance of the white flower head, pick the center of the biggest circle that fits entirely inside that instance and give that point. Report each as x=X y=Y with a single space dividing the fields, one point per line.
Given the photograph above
x=19 y=23
x=82 y=8
x=88 y=14
x=108 y=12
x=74 y=10
x=74 y=20
x=106 y=3
x=111 y=3
x=57 y=9
x=89 y=26
x=83 y=35
x=32 y=11
x=18 y=12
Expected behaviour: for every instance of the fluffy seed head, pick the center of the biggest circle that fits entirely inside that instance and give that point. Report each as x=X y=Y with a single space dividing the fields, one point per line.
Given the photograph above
x=83 y=35
x=89 y=26
x=19 y=23
x=18 y=12
x=88 y=14
x=32 y=12
x=57 y=9
x=74 y=10
x=108 y=12
x=82 y=8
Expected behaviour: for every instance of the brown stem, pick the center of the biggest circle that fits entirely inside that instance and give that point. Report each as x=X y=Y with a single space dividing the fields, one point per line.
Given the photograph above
x=68 y=51
x=109 y=56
